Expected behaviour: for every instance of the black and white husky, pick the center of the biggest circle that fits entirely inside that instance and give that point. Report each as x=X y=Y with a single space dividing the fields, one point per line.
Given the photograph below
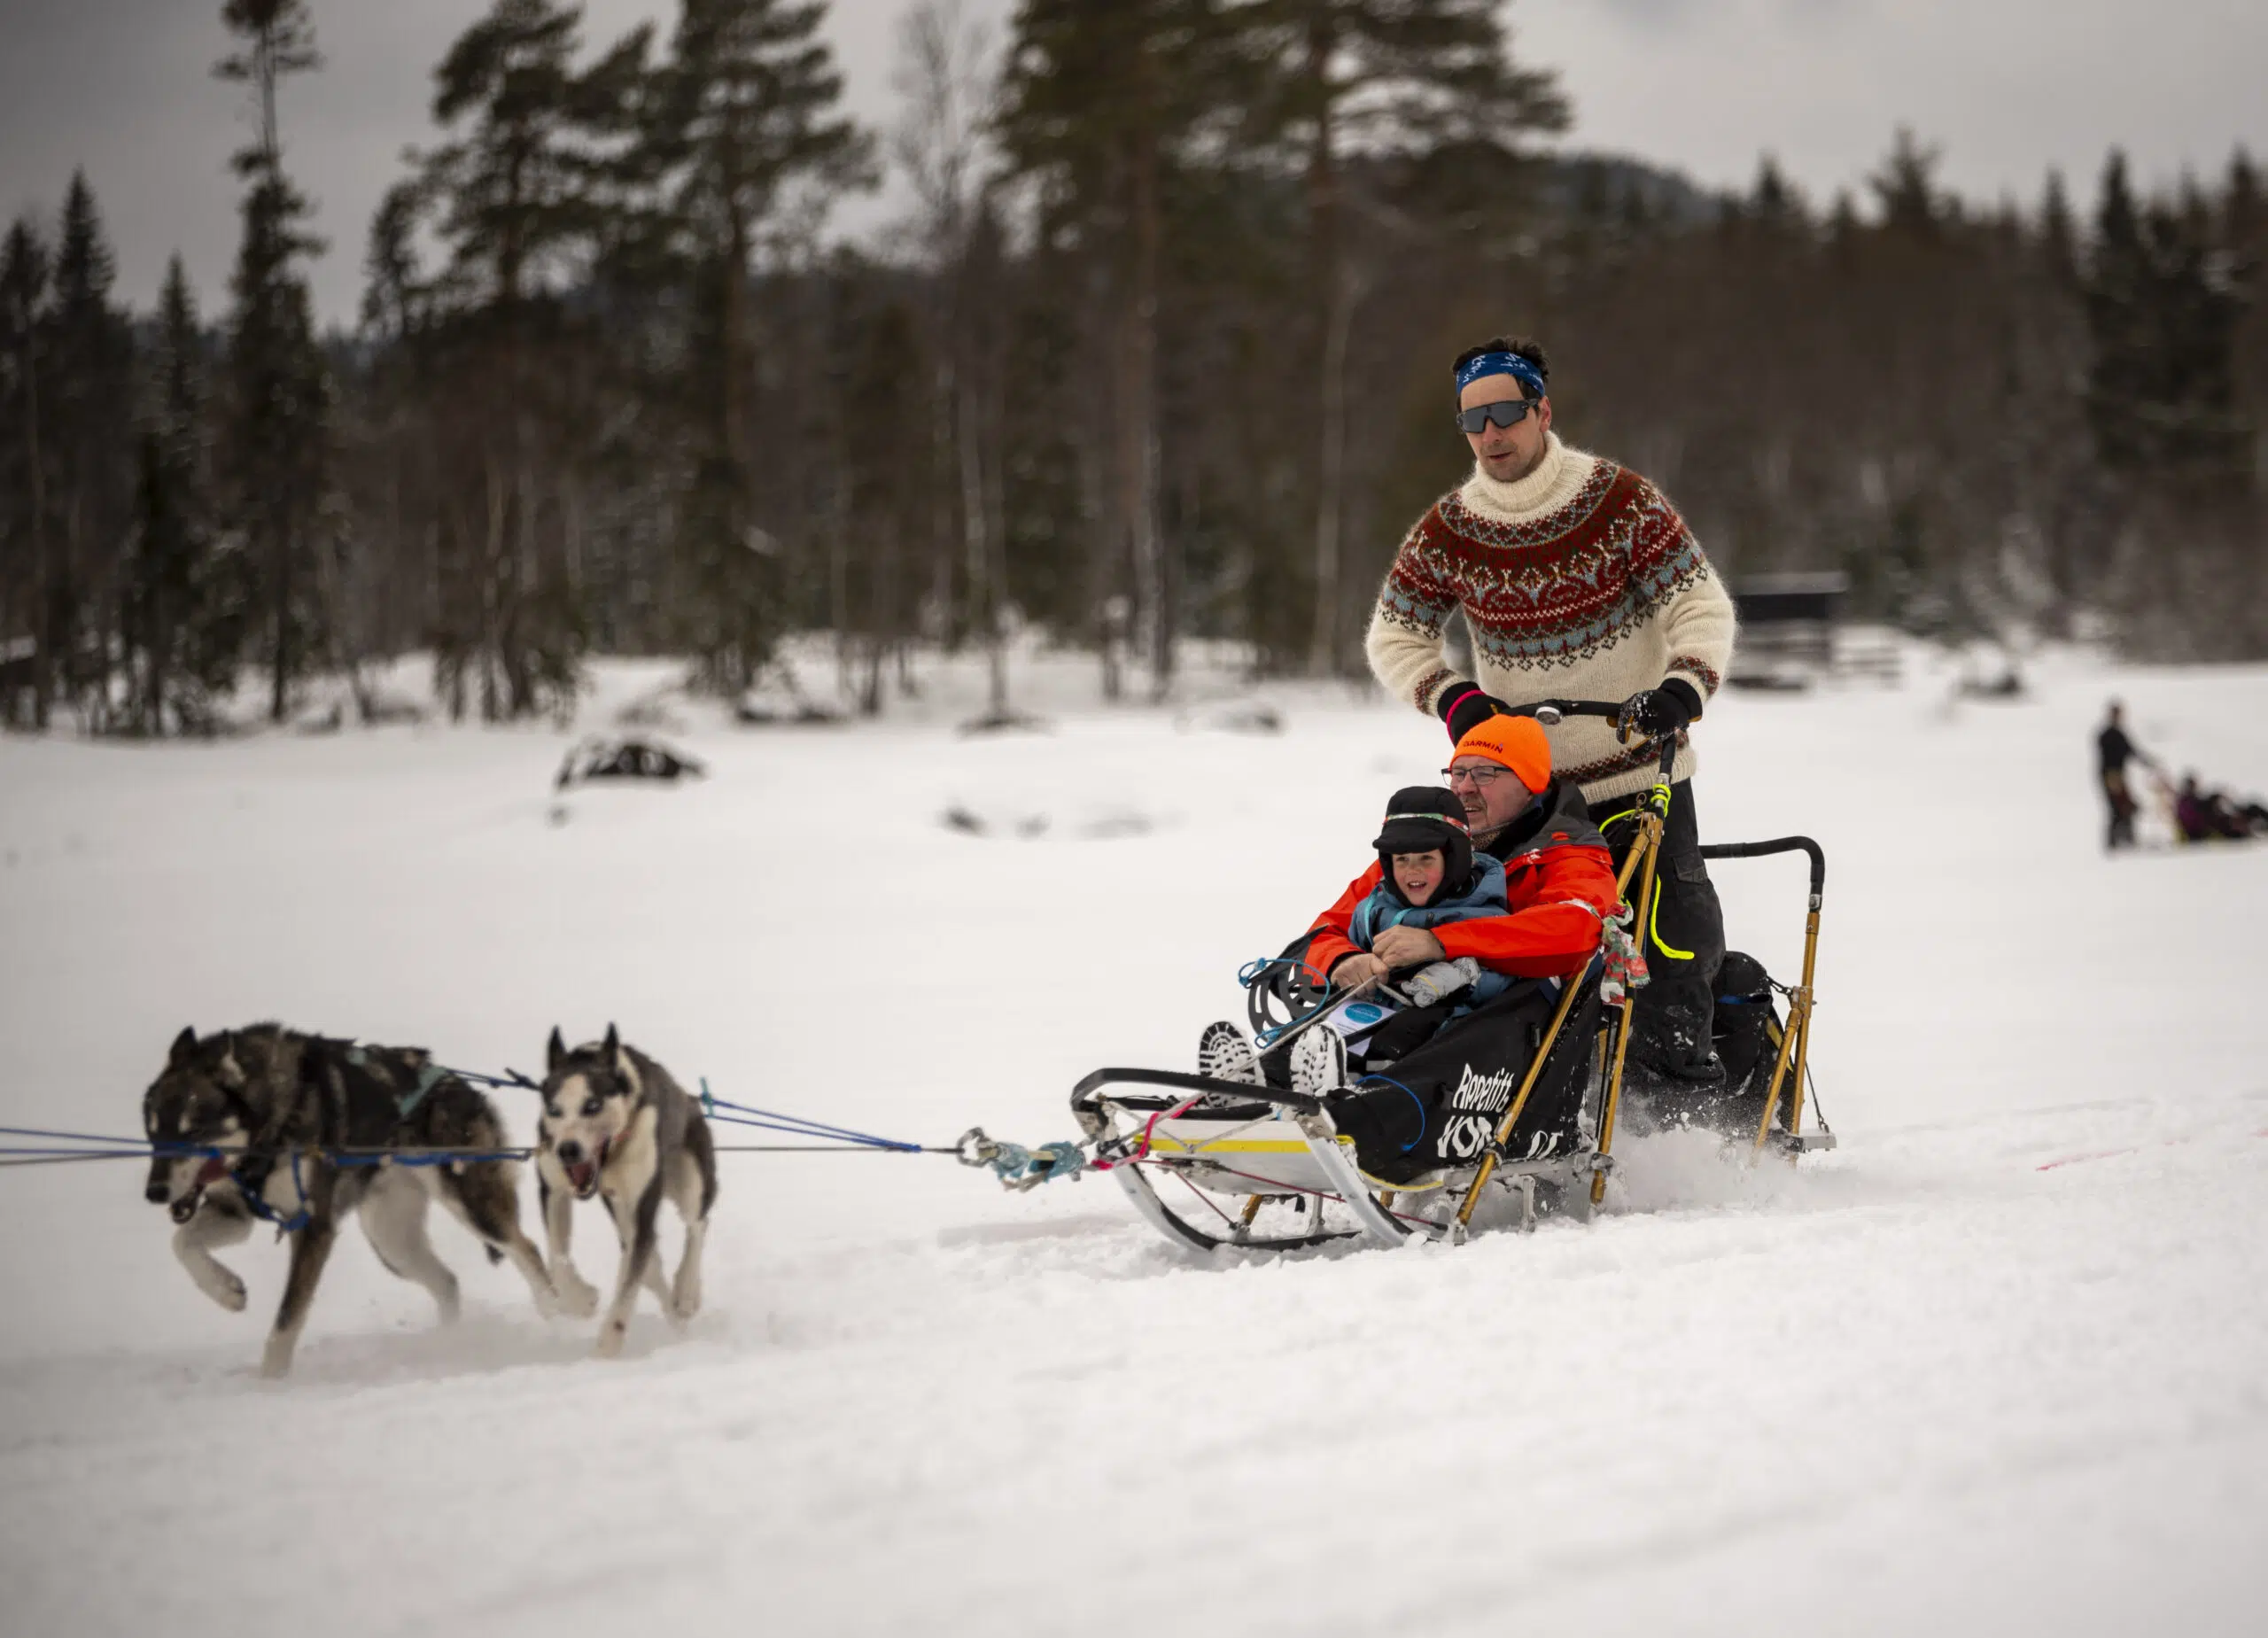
x=616 y=1125
x=281 y=1125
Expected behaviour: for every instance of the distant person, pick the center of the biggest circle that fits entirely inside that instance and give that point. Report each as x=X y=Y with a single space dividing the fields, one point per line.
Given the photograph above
x=2113 y=751
x=1579 y=580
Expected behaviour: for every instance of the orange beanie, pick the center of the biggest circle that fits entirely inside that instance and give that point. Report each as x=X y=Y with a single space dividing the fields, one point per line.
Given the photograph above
x=1517 y=743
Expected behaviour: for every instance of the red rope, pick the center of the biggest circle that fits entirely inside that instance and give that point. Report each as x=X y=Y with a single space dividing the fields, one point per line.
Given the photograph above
x=1201 y=1195
x=1149 y=1126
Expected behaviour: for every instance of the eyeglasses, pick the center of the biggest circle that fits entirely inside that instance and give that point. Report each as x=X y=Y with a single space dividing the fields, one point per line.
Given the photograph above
x=1482 y=776
x=1505 y=412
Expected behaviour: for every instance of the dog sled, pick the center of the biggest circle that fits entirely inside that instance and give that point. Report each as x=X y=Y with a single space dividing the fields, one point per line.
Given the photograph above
x=1213 y=1163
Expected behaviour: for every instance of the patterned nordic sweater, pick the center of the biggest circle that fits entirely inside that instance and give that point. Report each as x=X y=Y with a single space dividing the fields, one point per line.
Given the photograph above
x=1580 y=581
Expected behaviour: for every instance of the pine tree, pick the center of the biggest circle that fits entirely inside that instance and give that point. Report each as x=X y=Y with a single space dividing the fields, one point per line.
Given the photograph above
x=2245 y=219
x=393 y=293
x=24 y=458
x=90 y=417
x=746 y=120
x=1096 y=100
x=276 y=434
x=510 y=190
x=1366 y=80
x=183 y=616
x=2164 y=306
x=513 y=198
x=1905 y=190
x=2058 y=236
x=2117 y=301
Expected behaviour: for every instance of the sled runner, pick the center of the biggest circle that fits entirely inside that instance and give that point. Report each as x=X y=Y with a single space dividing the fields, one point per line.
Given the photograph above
x=1534 y=1082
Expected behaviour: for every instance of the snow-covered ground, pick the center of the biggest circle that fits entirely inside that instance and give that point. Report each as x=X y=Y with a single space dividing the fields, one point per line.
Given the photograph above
x=1995 y=1366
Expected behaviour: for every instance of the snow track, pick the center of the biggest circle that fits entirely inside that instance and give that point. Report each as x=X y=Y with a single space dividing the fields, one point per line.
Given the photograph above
x=1995 y=1366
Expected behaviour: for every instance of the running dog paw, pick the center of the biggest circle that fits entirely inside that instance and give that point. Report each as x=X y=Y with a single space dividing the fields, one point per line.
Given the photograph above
x=611 y=1336
x=223 y=1286
x=576 y=1298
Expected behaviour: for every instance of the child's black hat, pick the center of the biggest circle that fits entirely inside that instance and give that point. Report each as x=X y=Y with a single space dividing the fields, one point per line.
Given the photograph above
x=1426 y=818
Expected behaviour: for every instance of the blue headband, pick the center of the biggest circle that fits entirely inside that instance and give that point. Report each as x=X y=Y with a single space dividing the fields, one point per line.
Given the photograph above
x=1513 y=364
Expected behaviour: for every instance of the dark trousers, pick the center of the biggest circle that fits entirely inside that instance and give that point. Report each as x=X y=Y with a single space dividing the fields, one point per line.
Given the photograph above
x=2120 y=798
x=1684 y=941
x=1441 y=1103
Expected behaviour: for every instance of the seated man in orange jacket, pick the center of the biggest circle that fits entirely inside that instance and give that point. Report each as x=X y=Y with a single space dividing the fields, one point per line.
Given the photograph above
x=1439 y=1102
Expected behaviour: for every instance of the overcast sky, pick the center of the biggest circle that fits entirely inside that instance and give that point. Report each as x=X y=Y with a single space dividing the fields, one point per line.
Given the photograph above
x=2005 y=87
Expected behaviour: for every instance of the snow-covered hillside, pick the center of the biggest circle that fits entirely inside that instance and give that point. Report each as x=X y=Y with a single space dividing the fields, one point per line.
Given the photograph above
x=1995 y=1366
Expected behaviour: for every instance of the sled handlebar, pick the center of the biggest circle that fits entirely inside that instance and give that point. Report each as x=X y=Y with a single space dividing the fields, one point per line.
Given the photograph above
x=1778 y=844
x=1550 y=712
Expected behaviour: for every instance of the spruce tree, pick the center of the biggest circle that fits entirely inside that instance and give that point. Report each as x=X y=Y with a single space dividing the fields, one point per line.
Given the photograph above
x=183 y=615
x=2058 y=236
x=275 y=430
x=24 y=456
x=2117 y=301
x=90 y=417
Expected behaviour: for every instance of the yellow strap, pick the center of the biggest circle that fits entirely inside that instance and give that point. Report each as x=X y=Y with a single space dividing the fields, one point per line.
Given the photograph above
x=1654 y=922
x=1229 y=1146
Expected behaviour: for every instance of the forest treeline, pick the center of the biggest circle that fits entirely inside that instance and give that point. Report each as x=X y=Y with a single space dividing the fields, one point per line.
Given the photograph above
x=1160 y=349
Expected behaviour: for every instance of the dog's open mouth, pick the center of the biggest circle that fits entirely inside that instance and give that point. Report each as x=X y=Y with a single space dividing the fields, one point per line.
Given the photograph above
x=211 y=1172
x=584 y=1174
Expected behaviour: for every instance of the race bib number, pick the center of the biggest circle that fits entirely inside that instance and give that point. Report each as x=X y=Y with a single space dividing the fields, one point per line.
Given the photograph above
x=1356 y=1021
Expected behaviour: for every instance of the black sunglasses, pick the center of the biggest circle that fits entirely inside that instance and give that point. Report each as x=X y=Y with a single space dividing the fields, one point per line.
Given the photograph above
x=1505 y=412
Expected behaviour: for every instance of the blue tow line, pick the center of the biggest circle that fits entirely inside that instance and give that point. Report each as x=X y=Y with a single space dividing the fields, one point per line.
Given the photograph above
x=725 y=1111
x=795 y=1125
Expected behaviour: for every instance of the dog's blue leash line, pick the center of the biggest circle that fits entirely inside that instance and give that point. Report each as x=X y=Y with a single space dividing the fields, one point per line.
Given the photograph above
x=741 y=1115
x=138 y=1143
x=772 y=1120
x=99 y=1145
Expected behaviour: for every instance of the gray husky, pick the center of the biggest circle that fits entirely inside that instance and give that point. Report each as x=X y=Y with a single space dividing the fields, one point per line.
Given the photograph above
x=616 y=1125
x=286 y=1113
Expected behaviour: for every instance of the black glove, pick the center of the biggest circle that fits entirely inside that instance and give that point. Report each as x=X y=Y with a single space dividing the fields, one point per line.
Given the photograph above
x=1463 y=705
x=1656 y=712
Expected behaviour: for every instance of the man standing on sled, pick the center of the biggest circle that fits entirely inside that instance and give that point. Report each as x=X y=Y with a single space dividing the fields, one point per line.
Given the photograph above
x=1579 y=580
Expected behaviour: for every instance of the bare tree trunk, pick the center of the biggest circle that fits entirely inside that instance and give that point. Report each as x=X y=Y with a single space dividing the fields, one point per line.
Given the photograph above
x=994 y=478
x=977 y=518
x=1138 y=429
x=1329 y=279
x=944 y=411
x=1102 y=501
x=1330 y=476
x=43 y=655
x=279 y=546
